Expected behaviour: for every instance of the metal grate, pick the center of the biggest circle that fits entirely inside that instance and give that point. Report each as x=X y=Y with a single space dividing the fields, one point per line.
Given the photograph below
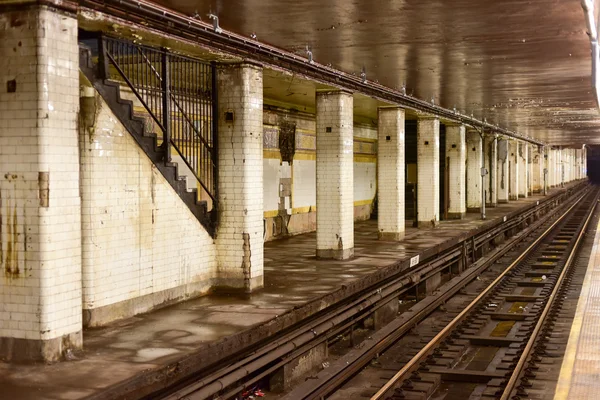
x=178 y=93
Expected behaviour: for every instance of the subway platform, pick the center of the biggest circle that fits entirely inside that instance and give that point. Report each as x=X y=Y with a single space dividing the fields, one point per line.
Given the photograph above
x=579 y=377
x=163 y=343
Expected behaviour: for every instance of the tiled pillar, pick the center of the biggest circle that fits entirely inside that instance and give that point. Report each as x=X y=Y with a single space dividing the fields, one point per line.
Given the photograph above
x=529 y=170
x=390 y=173
x=584 y=162
x=335 y=175
x=567 y=165
x=240 y=227
x=502 y=168
x=474 y=164
x=513 y=158
x=523 y=169
x=578 y=164
x=551 y=165
x=456 y=152
x=560 y=171
x=545 y=177
x=573 y=165
x=40 y=213
x=536 y=169
x=490 y=154
x=428 y=171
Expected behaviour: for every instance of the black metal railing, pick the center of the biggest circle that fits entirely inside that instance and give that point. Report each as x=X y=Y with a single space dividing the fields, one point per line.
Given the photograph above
x=178 y=93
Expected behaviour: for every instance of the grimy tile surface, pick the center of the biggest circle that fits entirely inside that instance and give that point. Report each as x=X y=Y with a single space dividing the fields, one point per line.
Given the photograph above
x=293 y=277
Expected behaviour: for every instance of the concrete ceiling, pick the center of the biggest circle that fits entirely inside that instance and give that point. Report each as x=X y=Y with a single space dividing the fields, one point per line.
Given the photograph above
x=524 y=65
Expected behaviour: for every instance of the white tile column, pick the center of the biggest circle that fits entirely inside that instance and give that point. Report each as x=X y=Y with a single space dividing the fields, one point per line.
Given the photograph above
x=578 y=164
x=502 y=168
x=560 y=154
x=474 y=164
x=390 y=173
x=584 y=162
x=456 y=152
x=536 y=169
x=335 y=175
x=40 y=213
x=240 y=228
x=513 y=173
x=490 y=153
x=428 y=171
x=551 y=166
x=523 y=169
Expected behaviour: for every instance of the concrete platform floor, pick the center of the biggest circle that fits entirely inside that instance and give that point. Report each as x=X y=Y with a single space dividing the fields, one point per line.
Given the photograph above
x=293 y=277
x=580 y=369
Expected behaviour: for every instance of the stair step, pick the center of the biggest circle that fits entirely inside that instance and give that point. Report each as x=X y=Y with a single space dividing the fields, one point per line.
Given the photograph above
x=124 y=110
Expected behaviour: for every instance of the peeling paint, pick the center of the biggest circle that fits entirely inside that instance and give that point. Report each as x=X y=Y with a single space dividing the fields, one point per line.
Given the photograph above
x=11 y=261
x=246 y=260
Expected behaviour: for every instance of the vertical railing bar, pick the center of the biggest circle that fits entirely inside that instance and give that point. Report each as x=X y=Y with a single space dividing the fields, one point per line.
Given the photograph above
x=166 y=105
x=183 y=80
x=102 y=59
x=215 y=127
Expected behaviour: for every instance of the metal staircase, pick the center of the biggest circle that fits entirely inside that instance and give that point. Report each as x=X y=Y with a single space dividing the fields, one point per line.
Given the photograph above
x=177 y=96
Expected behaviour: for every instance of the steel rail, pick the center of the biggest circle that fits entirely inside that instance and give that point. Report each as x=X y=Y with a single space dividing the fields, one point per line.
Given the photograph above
x=325 y=326
x=277 y=353
x=516 y=372
x=147 y=14
x=413 y=363
x=342 y=369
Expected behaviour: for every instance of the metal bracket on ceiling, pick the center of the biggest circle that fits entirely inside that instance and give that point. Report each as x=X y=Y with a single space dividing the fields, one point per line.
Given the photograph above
x=309 y=55
x=215 y=19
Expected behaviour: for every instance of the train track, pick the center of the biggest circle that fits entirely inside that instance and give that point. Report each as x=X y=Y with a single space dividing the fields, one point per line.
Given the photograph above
x=496 y=338
x=260 y=362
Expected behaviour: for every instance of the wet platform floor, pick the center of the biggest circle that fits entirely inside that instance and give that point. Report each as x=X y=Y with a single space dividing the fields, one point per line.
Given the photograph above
x=293 y=277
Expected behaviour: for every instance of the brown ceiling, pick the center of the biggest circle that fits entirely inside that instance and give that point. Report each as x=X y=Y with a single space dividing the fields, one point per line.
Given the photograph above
x=524 y=65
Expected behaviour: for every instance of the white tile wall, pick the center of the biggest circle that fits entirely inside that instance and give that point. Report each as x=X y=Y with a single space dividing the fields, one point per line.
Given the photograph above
x=428 y=171
x=474 y=164
x=41 y=246
x=390 y=172
x=139 y=238
x=240 y=260
x=456 y=151
x=335 y=171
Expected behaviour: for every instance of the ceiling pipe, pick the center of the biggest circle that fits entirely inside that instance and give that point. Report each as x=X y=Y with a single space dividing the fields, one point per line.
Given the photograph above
x=592 y=30
x=151 y=15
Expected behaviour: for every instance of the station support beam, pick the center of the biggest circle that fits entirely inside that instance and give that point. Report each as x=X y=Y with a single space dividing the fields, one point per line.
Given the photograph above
x=523 y=169
x=40 y=217
x=390 y=173
x=513 y=154
x=474 y=164
x=428 y=171
x=335 y=175
x=553 y=167
x=560 y=157
x=537 y=169
x=490 y=153
x=456 y=152
x=240 y=232
x=503 y=173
